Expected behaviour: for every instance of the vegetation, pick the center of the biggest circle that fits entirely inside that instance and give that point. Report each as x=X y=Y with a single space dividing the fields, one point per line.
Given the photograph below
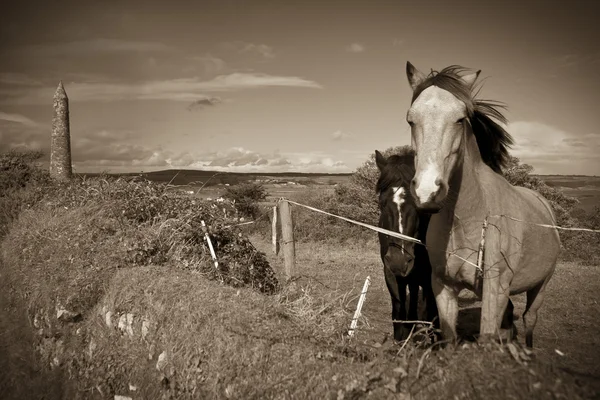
x=108 y=288
x=356 y=200
x=246 y=197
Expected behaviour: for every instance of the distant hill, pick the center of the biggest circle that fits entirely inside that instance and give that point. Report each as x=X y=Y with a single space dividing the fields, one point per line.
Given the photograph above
x=211 y=178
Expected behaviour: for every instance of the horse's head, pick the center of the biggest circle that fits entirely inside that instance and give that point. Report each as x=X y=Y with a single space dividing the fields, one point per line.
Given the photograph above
x=398 y=212
x=442 y=105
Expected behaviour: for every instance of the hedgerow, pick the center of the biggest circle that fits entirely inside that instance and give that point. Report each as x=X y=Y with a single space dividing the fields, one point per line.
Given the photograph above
x=356 y=199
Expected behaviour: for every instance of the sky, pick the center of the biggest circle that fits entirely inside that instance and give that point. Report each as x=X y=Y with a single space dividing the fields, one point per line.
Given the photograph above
x=265 y=85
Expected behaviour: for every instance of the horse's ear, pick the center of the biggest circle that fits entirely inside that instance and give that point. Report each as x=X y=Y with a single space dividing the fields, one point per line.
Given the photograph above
x=470 y=78
x=415 y=77
x=380 y=160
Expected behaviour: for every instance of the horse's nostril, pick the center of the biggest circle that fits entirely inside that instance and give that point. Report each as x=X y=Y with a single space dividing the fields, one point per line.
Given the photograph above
x=413 y=182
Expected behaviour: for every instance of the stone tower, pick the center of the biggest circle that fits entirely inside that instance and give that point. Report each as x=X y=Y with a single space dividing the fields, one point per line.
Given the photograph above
x=60 y=148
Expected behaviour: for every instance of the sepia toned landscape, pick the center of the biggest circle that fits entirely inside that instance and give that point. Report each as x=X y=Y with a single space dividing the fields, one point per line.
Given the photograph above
x=199 y=200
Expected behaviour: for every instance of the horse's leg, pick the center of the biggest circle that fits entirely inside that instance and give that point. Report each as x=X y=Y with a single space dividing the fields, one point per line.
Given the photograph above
x=535 y=298
x=431 y=306
x=508 y=321
x=504 y=315
x=392 y=285
x=446 y=298
x=413 y=305
x=400 y=329
x=398 y=296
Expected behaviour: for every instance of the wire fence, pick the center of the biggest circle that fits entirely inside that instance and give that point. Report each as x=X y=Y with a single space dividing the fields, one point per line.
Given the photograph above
x=400 y=236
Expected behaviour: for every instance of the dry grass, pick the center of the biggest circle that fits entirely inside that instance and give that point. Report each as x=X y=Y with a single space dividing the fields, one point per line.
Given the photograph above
x=192 y=337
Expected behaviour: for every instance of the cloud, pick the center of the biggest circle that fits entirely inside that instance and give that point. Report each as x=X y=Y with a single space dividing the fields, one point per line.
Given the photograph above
x=18 y=118
x=355 y=48
x=94 y=46
x=123 y=151
x=129 y=157
x=240 y=80
x=553 y=151
x=339 y=135
x=16 y=78
x=202 y=103
x=262 y=51
x=184 y=89
x=18 y=132
x=210 y=64
x=574 y=59
x=238 y=159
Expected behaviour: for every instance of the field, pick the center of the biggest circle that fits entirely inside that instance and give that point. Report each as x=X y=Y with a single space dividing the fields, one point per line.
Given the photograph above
x=570 y=313
x=193 y=337
x=209 y=184
x=584 y=188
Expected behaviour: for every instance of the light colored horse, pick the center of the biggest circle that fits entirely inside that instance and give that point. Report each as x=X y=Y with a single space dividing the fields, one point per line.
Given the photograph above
x=459 y=154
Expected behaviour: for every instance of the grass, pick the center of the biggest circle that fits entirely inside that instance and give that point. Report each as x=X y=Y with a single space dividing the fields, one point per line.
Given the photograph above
x=107 y=288
x=223 y=342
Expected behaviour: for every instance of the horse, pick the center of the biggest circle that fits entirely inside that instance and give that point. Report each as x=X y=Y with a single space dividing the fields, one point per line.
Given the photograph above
x=398 y=213
x=460 y=150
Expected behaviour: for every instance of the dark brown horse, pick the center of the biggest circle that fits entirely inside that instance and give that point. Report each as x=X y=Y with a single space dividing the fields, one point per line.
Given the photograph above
x=405 y=263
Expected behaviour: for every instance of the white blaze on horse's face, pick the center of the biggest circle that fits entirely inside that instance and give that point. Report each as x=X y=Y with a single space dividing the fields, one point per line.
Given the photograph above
x=437 y=120
x=398 y=199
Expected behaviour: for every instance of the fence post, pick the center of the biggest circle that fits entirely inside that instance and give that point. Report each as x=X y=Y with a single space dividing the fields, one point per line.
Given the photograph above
x=491 y=283
x=274 y=230
x=60 y=147
x=287 y=233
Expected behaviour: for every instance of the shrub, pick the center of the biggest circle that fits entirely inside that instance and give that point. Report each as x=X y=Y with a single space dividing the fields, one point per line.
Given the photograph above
x=520 y=175
x=577 y=245
x=19 y=169
x=246 y=197
x=22 y=184
x=356 y=199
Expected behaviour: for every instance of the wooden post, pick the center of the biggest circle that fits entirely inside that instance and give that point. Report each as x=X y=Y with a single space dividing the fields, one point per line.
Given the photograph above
x=60 y=147
x=210 y=246
x=488 y=327
x=274 y=230
x=482 y=245
x=359 y=306
x=287 y=236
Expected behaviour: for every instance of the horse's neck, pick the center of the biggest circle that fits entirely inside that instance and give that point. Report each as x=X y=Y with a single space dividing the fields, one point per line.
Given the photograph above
x=467 y=197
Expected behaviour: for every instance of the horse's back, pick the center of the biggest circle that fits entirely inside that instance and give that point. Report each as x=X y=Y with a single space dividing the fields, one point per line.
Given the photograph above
x=540 y=203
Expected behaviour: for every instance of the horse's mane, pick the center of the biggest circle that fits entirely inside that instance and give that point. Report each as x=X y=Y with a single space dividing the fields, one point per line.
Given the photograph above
x=492 y=139
x=400 y=167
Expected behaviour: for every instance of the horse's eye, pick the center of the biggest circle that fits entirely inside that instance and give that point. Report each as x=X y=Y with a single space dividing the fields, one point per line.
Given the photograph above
x=460 y=121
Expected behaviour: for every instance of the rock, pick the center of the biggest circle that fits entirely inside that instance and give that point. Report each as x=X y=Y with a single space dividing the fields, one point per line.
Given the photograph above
x=108 y=319
x=126 y=323
x=67 y=316
x=145 y=328
x=162 y=361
